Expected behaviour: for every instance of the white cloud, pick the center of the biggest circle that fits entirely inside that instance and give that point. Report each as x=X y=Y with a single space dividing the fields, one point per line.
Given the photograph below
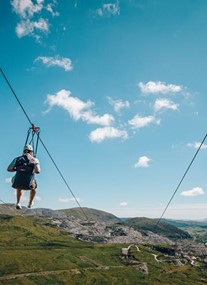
x=68 y=200
x=109 y=9
x=101 y=134
x=123 y=204
x=28 y=27
x=141 y=122
x=156 y=87
x=91 y=118
x=118 y=104
x=165 y=104
x=50 y=9
x=31 y=22
x=62 y=62
x=143 y=161
x=196 y=145
x=197 y=191
x=26 y=8
x=78 y=109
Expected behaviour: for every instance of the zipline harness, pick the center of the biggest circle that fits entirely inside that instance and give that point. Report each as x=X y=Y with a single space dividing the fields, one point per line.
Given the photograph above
x=25 y=164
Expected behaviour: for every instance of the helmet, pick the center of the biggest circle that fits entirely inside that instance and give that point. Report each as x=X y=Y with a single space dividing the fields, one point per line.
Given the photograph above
x=28 y=147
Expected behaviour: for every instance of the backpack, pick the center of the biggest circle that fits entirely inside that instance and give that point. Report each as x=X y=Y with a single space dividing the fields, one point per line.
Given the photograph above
x=24 y=173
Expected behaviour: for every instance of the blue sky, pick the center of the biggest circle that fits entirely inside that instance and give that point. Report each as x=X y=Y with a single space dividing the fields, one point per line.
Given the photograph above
x=118 y=89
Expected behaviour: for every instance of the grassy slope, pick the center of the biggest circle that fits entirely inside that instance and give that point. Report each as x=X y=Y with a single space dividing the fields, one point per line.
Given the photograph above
x=28 y=245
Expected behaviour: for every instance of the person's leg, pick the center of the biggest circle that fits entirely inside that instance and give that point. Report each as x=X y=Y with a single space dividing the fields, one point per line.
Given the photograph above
x=31 y=198
x=19 y=195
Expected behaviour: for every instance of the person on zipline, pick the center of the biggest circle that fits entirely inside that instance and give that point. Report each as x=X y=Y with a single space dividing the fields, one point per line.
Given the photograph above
x=26 y=166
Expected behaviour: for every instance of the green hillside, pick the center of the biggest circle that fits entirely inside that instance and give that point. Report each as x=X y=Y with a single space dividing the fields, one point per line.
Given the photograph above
x=32 y=252
x=168 y=230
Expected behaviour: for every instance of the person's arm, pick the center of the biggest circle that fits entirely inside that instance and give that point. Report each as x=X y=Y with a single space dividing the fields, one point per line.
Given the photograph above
x=10 y=168
x=37 y=166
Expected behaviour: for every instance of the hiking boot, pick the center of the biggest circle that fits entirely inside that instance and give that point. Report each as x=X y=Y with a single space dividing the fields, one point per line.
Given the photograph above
x=18 y=206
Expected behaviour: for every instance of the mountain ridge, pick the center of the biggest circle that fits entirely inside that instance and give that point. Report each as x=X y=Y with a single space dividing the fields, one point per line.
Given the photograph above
x=101 y=226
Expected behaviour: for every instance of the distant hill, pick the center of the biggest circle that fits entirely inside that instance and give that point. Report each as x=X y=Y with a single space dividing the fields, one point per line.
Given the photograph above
x=91 y=214
x=187 y=224
x=197 y=229
x=9 y=209
x=163 y=228
x=77 y=213
x=171 y=229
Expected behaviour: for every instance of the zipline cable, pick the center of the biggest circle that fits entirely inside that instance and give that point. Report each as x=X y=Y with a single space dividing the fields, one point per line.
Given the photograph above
x=64 y=180
x=7 y=81
x=62 y=177
x=181 y=181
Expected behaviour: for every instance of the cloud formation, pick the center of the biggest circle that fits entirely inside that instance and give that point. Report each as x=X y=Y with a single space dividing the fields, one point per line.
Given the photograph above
x=143 y=161
x=26 y=8
x=59 y=61
x=197 y=191
x=108 y=10
x=158 y=87
x=85 y=111
x=101 y=134
x=28 y=27
x=140 y=122
x=165 y=104
x=50 y=8
x=123 y=204
x=196 y=145
x=118 y=104
x=31 y=22
x=78 y=109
